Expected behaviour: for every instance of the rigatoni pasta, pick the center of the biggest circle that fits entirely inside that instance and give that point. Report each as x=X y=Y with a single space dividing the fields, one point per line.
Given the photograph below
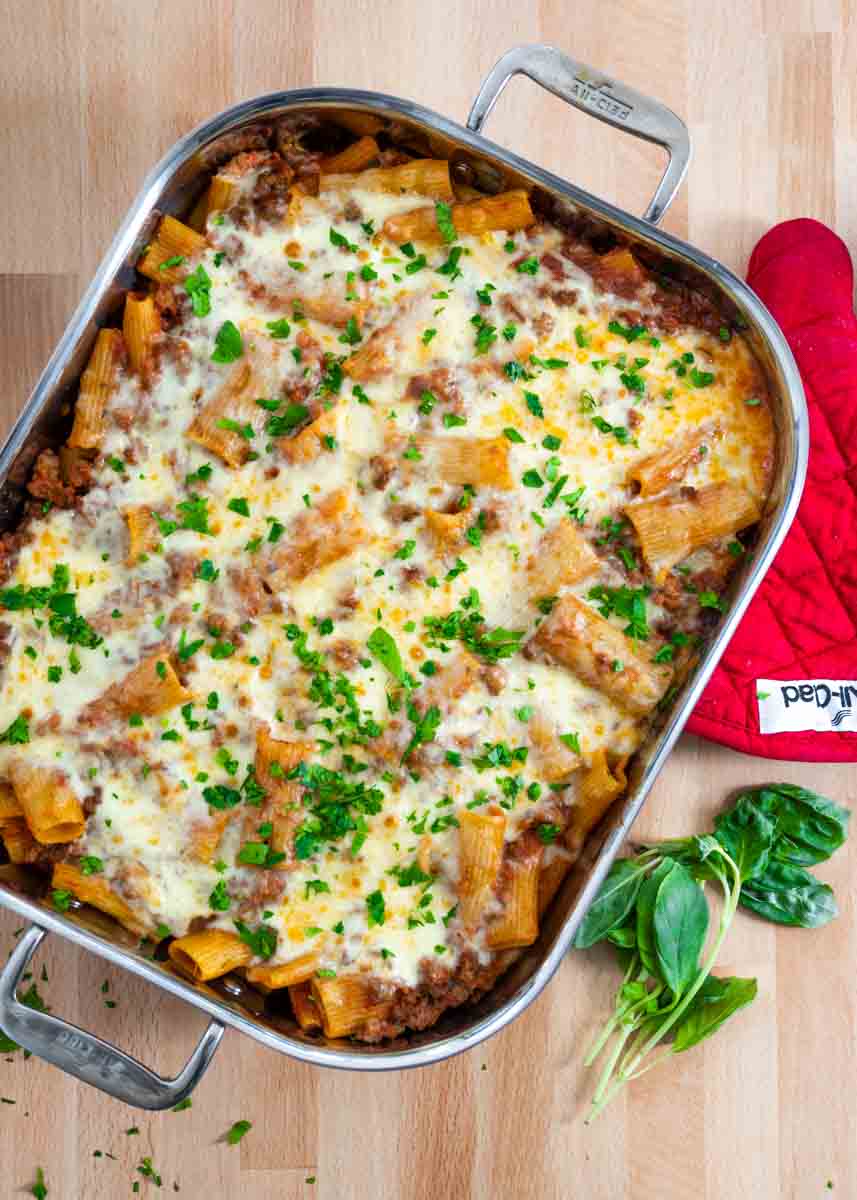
x=386 y=526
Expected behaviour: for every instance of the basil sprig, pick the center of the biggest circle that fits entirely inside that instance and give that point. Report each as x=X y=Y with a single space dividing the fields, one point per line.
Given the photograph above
x=653 y=909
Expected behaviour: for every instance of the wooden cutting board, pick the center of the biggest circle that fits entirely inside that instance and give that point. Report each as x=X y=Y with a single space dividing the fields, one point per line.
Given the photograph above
x=91 y=95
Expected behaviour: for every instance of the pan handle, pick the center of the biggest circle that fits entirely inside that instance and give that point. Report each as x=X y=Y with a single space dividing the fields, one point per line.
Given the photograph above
x=86 y=1056
x=601 y=96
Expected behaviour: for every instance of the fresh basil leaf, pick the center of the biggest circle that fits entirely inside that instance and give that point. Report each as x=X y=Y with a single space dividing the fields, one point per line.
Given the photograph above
x=789 y=895
x=746 y=833
x=809 y=827
x=713 y=1004
x=645 y=926
x=681 y=923
x=625 y=937
x=611 y=906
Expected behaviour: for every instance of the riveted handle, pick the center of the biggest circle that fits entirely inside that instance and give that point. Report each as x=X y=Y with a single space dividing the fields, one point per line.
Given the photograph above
x=602 y=97
x=86 y=1056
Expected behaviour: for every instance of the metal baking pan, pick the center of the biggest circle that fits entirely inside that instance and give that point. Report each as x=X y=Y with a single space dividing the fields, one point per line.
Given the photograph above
x=172 y=187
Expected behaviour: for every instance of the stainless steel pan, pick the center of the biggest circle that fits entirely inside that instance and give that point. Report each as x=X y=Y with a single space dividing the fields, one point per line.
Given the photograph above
x=171 y=187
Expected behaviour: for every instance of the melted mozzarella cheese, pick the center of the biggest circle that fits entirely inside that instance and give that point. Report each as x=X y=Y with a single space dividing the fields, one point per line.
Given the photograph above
x=526 y=366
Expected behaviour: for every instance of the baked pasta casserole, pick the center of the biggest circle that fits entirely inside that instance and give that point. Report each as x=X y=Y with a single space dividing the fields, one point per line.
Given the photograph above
x=390 y=517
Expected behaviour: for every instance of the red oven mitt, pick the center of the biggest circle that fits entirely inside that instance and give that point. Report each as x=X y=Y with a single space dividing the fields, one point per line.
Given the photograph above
x=791 y=667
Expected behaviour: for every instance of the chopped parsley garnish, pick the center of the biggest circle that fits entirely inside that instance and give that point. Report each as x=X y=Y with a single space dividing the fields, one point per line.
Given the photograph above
x=629 y=332
x=627 y=603
x=90 y=864
x=528 y=266
x=532 y=479
x=486 y=334
x=262 y=940
x=467 y=625
x=701 y=379
x=547 y=834
x=220 y=900
x=194 y=513
x=352 y=335
x=337 y=239
x=445 y=223
x=534 y=404
x=237 y=1132
x=375 y=909
x=425 y=727
x=336 y=805
x=220 y=796
x=239 y=505
x=228 y=345
x=620 y=433
x=571 y=740
x=18 y=733
x=450 y=267
x=513 y=435
x=279 y=328
x=198 y=287
x=284 y=422
x=207 y=571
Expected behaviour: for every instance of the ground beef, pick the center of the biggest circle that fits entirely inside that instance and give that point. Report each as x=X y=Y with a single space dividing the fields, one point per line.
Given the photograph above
x=440 y=988
x=509 y=308
x=562 y=297
x=231 y=145
x=182 y=569
x=256 y=596
x=345 y=654
x=265 y=888
x=382 y=469
x=272 y=191
x=411 y=575
x=346 y=604
x=170 y=304
x=443 y=385
x=543 y=324
x=402 y=512
x=10 y=545
x=494 y=678
x=47 y=482
x=492 y=517
x=553 y=265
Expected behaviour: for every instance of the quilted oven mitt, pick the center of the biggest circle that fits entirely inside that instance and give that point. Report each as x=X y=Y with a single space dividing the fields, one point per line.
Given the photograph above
x=787 y=685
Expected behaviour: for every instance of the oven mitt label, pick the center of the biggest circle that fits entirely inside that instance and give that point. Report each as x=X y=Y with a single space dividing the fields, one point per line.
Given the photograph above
x=790 y=706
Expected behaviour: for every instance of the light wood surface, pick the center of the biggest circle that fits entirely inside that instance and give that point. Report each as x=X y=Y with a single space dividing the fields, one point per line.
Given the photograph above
x=91 y=94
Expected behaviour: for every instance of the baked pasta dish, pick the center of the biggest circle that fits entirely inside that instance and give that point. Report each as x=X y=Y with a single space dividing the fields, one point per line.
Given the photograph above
x=390 y=517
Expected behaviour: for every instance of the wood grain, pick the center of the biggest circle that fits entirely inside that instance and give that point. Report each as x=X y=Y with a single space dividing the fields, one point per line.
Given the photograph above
x=91 y=95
